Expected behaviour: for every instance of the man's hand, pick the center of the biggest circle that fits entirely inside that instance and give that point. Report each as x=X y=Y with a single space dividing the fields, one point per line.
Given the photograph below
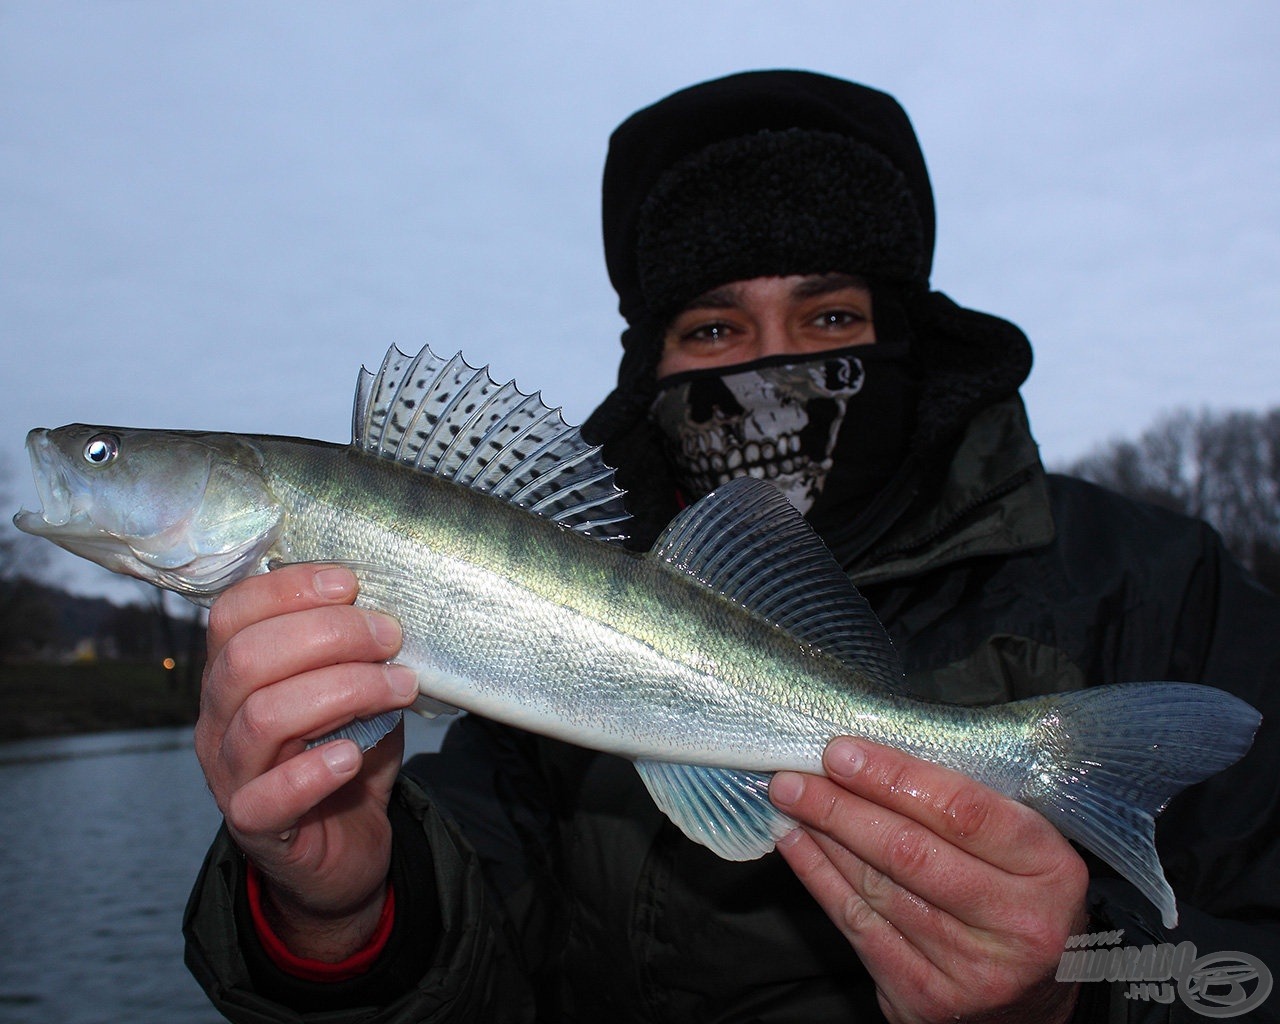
x=958 y=900
x=289 y=660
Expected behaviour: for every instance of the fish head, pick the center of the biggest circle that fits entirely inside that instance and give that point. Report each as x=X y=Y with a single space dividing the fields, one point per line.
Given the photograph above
x=185 y=511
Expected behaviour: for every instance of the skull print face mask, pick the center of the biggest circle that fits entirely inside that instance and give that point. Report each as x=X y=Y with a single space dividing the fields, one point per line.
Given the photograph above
x=810 y=424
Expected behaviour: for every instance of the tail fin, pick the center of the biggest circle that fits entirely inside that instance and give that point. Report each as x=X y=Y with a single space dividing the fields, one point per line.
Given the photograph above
x=1111 y=757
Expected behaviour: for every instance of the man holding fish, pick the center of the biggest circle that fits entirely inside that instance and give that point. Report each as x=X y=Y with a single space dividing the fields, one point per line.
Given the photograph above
x=770 y=237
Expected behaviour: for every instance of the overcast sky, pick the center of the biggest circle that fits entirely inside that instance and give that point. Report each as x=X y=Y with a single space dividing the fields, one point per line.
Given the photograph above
x=211 y=213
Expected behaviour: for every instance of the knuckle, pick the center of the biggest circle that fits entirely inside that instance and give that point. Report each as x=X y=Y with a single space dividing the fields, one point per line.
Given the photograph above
x=223 y=620
x=894 y=775
x=237 y=662
x=338 y=634
x=1042 y=939
x=1003 y=980
x=828 y=816
x=857 y=915
x=243 y=813
x=259 y=721
x=1072 y=872
x=875 y=885
x=909 y=851
x=1037 y=929
x=966 y=810
x=205 y=742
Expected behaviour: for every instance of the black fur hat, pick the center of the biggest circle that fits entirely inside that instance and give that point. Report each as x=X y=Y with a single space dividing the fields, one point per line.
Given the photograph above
x=764 y=172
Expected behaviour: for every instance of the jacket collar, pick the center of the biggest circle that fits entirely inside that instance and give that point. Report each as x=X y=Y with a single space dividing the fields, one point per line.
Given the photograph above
x=990 y=498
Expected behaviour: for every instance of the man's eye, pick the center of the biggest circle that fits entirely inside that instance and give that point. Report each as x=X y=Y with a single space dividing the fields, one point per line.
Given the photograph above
x=708 y=332
x=838 y=318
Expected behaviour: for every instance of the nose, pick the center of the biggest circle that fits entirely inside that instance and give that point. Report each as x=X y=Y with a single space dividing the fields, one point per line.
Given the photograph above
x=774 y=337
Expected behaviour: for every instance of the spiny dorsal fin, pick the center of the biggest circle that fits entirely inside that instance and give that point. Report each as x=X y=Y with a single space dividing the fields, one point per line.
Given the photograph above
x=748 y=542
x=446 y=417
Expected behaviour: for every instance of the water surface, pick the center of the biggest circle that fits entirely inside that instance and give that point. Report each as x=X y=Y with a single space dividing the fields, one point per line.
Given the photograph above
x=100 y=839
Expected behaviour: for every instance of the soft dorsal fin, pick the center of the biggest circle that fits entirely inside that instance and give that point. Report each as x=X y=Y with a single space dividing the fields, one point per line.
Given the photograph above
x=748 y=542
x=446 y=417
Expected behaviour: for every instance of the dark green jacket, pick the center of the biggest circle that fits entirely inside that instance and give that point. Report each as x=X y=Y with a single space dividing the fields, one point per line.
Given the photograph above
x=537 y=881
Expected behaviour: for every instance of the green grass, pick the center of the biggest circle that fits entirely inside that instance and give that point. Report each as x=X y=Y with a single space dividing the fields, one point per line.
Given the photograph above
x=55 y=700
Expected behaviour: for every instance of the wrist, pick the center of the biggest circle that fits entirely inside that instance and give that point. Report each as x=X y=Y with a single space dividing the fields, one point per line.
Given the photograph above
x=298 y=936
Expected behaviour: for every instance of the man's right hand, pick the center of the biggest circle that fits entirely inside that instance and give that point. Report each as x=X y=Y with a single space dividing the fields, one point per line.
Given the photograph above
x=289 y=660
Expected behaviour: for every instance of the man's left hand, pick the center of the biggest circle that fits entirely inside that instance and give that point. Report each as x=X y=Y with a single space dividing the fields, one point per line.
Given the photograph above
x=957 y=899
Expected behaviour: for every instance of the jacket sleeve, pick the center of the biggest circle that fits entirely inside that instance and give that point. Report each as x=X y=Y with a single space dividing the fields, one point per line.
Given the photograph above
x=451 y=956
x=1219 y=840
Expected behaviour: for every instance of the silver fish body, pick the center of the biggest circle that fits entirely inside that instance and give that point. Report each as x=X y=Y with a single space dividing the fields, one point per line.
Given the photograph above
x=509 y=616
x=735 y=648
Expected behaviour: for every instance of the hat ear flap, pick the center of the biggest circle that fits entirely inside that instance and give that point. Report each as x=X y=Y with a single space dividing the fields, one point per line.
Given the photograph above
x=632 y=444
x=972 y=360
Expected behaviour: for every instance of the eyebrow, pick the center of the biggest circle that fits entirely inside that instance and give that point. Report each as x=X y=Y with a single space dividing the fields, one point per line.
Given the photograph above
x=812 y=285
x=825 y=284
x=718 y=298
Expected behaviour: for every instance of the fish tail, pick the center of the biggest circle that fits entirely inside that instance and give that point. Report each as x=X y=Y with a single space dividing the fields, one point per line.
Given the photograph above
x=1110 y=758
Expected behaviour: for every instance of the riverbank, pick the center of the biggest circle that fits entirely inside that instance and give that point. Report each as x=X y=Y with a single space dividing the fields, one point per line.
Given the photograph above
x=39 y=699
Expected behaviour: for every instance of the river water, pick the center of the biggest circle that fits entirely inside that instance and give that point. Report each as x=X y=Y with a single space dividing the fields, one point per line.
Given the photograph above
x=100 y=839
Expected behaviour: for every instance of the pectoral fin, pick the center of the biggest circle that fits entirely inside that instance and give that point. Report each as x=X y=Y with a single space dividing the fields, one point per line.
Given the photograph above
x=366 y=732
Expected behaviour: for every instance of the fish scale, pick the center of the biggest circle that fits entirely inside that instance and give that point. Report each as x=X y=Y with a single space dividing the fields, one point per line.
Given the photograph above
x=736 y=647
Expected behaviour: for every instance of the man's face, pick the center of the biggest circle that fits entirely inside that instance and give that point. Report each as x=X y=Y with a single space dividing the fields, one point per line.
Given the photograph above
x=768 y=316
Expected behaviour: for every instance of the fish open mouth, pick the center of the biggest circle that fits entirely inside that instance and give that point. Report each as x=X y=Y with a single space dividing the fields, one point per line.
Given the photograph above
x=52 y=485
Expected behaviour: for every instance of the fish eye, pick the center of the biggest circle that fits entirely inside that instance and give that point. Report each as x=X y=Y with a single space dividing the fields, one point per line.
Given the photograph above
x=101 y=449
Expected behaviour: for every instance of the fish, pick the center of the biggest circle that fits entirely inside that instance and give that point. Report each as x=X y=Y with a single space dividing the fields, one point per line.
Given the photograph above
x=735 y=647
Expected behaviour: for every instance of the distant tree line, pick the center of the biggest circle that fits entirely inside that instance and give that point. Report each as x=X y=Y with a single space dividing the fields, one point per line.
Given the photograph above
x=42 y=622
x=1221 y=467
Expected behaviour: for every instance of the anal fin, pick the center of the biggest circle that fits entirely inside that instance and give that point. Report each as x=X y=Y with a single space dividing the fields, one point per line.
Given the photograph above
x=725 y=809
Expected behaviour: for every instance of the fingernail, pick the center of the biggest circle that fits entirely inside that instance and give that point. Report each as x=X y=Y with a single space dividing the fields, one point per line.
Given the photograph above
x=843 y=757
x=333 y=584
x=403 y=680
x=341 y=756
x=786 y=788
x=384 y=628
x=791 y=838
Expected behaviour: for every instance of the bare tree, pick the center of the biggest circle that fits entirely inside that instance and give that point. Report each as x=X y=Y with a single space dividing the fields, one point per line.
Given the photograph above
x=1222 y=467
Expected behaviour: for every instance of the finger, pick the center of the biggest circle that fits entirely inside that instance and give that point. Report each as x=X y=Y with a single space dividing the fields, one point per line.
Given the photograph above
x=892 y=913
x=913 y=950
x=828 y=884
x=269 y=805
x=285 y=646
x=962 y=812
x=909 y=861
x=931 y=966
x=276 y=721
x=289 y=589
x=929 y=829
x=900 y=870
x=879 y=943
